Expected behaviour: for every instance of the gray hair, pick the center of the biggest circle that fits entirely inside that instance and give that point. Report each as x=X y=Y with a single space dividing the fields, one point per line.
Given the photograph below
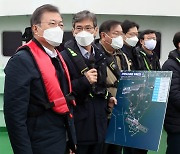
x=80 y=16
x=37 y=14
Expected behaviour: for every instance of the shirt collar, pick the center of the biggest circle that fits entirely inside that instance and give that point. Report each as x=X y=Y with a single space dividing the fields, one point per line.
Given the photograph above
x=50 y=53
x=86 y=54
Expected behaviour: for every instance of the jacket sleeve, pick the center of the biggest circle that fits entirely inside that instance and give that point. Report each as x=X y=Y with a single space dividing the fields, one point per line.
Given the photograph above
x=16 y=101
x=174 y=94
x=80 y=84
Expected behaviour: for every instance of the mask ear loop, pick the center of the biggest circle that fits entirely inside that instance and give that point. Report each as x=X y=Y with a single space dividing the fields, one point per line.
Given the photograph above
x=109 y=37
x=108 y=42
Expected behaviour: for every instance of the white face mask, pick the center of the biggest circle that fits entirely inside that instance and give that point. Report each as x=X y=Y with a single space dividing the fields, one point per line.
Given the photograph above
x=150 y=44
x=84 y=38
x=117 y=42
x=132 y=41
x=53 y=36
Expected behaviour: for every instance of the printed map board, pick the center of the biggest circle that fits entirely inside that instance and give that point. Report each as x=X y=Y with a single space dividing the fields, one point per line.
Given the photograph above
x=137 y=119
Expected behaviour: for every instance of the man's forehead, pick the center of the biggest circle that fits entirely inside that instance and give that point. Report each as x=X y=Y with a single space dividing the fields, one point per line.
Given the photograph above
x=51 y=16
x=133 y=30
x=150 y=35
x=84 y=22
x=116 y=28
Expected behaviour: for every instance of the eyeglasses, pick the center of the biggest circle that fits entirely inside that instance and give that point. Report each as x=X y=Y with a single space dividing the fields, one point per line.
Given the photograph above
x=86 y=28
x=132 y=34
x=55 y=24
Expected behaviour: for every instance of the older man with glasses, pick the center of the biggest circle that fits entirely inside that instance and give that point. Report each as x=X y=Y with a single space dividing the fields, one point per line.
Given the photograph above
x=88 y=74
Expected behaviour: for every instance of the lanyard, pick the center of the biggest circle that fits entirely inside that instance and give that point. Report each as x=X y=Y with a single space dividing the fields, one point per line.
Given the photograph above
x=178 y=59
x=147 y=66
x=145 y=61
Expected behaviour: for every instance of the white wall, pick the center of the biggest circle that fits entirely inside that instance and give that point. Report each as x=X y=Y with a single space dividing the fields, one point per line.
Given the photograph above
x=168 y=26
x=124 y=7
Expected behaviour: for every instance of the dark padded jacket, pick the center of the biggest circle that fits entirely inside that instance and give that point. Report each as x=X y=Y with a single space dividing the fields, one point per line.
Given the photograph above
x=172 y=118
x=32 y=129
x=90 y=113
x=145 y=61
x=129 y=51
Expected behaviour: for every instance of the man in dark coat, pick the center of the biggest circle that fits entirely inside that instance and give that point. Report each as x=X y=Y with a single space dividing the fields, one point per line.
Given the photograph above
x=88 y=73
x=111 y=42
x=172 y=118
x=146 y=58
x=35 y=123
x=130 y=30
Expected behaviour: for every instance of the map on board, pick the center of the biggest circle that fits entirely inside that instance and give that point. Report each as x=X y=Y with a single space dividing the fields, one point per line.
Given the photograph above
x=137 y=119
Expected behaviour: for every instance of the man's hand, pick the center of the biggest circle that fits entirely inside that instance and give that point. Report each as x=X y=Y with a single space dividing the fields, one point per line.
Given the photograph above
x=91 y=75
x=112 y=102
x=71 y=152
